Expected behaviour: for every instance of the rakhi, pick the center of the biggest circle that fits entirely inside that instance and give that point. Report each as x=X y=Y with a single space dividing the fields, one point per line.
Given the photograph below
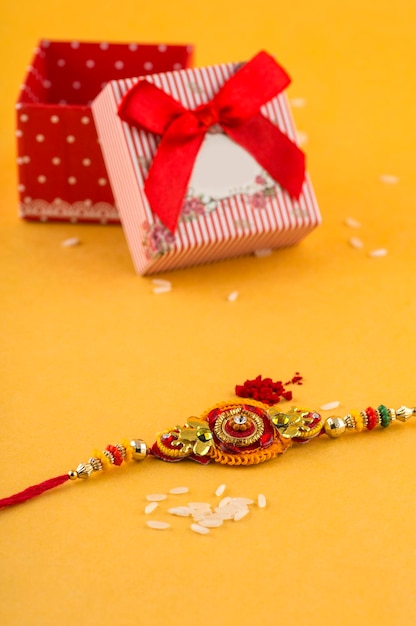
x=239 y=432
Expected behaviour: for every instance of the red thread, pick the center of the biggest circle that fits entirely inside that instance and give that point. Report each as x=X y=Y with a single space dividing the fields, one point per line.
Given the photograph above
x=33 y=491
x=267 y=391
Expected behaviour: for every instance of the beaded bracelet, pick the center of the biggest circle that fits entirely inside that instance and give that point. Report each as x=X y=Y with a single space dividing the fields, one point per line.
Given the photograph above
x=239 y=432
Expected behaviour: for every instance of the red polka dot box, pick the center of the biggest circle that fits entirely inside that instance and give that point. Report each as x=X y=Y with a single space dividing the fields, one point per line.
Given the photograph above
x=62 y=174
x=204 y=163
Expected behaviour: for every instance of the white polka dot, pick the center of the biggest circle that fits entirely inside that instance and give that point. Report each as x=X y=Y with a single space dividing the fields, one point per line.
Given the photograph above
x=90 y=63
x=21 y=188
x=76 y=84
x=148 y=65
x=72 y=180
x=18 y=105
x=26 y=159
x=87 y=202
x=27 y=200
x=22 y=87
x=74 y=44
x=19 y=133
x=29 y=69
x=85 y=120
x=42 y=179
x=70 y=139
x=162 y=48
x=46 y=43
x=133 y=47
x=177 y=66
x=54 y=119
x=56 y=160
x=63 y=102
x=104 y=45
x=102 y=182
x=47 y=84
x=189 y=48
x=61 y=62
x=86 y=162
x=19 y=161
x=57 y=201
x=119 y=65
x=24 y=117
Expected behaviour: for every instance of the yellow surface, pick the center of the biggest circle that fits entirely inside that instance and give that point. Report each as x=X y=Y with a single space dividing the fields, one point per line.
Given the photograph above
x=89 y=354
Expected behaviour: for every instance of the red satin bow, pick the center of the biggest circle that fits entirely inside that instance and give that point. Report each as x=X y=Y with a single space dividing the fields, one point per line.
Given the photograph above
x=236 y=108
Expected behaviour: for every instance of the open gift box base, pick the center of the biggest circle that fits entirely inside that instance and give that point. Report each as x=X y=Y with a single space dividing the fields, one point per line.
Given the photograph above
x=62 y=174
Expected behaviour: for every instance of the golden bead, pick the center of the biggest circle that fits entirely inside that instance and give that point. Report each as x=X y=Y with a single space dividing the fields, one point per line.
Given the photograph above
x=84 y=470
x=72 y=475
x=334 y=426
x=403 y=413
x=139 y=449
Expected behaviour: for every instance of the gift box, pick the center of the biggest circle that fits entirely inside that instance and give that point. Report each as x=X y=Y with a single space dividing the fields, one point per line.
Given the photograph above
x=62 y=174
x=204 y=163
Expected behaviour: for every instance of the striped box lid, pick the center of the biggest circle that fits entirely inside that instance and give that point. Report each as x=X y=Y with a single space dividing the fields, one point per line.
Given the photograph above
x=232 y=206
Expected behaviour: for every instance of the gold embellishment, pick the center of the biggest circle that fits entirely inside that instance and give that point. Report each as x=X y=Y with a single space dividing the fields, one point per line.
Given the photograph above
x=192 y=438
x=224 y=436
x=296 y=423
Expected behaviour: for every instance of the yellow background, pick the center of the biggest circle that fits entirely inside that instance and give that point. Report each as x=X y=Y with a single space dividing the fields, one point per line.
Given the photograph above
x=89 y=354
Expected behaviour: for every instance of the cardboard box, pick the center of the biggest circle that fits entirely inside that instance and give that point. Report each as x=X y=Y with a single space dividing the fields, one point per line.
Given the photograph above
x=62 y=175
x=232 y=205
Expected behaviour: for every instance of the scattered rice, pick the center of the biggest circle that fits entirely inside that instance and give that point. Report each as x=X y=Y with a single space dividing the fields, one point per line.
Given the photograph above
x=261 y=500
x=157 y=525
x=232 y=297
x=239 y=501
x=199 y=505
x=182 y=511
x=72 y=241
x=330 y=405
x=389 y=179
x=352 y=222
x=162 y=289
x=203 y=518
x=378 y=252
x=178 y=490
x=356 y=242
x=150 y=507
x=160 y=282
x=220 y=490
x=156 y=497
x=263 y=252
x=197 y=528
x=208 y=522
x=298 y=103
x=302 y=137
x=240 y=514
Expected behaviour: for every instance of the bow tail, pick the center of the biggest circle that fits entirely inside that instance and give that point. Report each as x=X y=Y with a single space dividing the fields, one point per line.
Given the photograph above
x=273 y=150
x=169 y=175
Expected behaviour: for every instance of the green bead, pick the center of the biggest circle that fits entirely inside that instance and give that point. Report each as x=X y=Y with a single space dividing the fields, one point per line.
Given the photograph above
x=385 y=418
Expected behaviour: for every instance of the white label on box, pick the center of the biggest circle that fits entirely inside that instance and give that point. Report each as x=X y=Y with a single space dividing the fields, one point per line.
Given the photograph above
x=222 y=168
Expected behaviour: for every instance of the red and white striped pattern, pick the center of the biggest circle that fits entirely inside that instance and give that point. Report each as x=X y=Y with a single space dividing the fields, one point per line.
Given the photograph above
x=234 y=228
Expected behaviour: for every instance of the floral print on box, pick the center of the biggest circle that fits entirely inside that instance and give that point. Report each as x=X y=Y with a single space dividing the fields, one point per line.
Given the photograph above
x=158 y=240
